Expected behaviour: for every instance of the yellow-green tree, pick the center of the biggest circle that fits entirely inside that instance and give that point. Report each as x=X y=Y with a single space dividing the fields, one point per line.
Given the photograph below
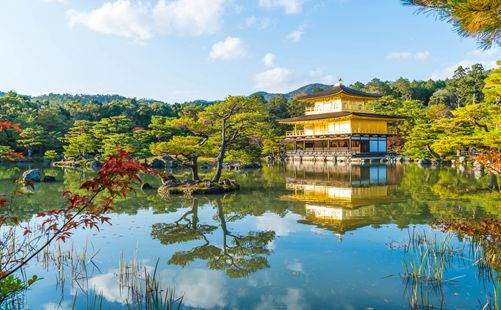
x=492 y=88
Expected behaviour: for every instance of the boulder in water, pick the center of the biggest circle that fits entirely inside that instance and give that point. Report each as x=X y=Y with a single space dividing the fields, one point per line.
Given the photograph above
x=146 y=186
x=157 y=163
x=424 y=161
x=32 y=175
x=49 y=179
x=95 y=165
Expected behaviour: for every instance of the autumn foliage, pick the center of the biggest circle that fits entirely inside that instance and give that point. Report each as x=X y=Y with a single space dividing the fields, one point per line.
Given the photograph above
x=115 y=179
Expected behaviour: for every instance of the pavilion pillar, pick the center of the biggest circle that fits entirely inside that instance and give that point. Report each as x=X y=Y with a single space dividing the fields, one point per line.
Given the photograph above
x=349 y=145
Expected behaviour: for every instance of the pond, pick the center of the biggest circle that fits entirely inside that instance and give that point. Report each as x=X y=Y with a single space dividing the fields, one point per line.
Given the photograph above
x=299 y=236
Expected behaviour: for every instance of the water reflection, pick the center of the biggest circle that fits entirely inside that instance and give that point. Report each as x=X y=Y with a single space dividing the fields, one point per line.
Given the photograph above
x=239 y=255
x=253 y=250
x=342 y=197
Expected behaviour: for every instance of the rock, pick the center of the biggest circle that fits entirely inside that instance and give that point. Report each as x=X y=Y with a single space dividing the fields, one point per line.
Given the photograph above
x=478 y=173
x=48 y=178
x=230 y=185
x=424 y=161
x=94 y=165
x=32 y=175
x=170 y=181
x=462 y=160
x=478 y=166
x=190 y=188
x=146 y=186
x=157 y=163
x=170 y=162
x=254 y=165
x=165 y=191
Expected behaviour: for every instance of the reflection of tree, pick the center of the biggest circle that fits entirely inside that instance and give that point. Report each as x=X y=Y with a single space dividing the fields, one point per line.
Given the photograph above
x=184 y=229
x=239 y=255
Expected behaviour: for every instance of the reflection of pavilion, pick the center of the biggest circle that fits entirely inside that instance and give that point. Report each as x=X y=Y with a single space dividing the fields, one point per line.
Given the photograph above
x=341 y=197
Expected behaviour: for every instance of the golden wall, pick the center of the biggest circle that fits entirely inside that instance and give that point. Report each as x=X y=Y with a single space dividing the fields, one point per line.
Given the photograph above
x=346 y=126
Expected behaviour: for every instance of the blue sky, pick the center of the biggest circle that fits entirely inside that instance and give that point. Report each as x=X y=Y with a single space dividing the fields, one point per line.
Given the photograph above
x=180 y=50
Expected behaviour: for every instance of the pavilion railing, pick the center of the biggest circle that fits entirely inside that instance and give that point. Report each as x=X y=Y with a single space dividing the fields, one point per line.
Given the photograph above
x=301 y=133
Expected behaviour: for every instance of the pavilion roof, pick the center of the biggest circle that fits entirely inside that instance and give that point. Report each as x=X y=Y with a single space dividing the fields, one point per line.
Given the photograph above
x=330 y=115
x=338 y=89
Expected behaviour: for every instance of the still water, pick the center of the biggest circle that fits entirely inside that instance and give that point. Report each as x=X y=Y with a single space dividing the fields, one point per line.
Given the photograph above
x=299 y=236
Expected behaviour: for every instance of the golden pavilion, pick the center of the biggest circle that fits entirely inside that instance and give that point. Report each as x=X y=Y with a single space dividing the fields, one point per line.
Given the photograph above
x=338 y=125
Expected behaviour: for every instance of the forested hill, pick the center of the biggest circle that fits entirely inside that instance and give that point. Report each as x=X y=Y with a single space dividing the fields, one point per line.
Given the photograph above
x=64 y=98
x=307 y=89
x=84 y=99
x=463 y=86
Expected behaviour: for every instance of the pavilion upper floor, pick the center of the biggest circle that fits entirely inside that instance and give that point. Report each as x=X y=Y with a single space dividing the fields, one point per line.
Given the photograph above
x=338 y=123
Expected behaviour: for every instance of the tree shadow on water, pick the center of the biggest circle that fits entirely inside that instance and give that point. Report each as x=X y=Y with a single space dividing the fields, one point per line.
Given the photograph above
x=239 y=255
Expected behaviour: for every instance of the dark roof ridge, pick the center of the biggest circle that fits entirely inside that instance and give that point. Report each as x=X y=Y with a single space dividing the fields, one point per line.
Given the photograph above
x=337 y=90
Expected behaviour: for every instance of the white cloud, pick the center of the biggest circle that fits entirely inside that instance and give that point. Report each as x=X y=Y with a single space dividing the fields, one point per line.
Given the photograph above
x=319 y=76
x=140 y=20
x=54 y=306
x=193 y=17
x=290 y=6
x=120 y=18
x=295 y=36
x=485 y=58
x=269 y=60
x=282 y=226
x=275 y=80
x=295 y=266
x=281 y=79
x=422 y=55
x=230 y=48
x=294 y=299
x=258 y=22
x=56 y=1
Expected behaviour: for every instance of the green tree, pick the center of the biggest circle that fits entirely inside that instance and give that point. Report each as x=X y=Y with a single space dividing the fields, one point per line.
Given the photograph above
x=236 y=124
x=80 y=140
x=32 y=138
x=492 y=88
x=467 y=85
x=185 y=149
x=50 y=154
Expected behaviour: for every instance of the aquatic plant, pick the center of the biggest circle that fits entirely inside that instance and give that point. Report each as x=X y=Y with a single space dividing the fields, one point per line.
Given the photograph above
x=142 y=289
x=485 y=233
x=426 y=256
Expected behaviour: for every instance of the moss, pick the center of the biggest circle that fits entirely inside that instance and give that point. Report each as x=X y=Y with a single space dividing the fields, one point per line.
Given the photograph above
x=202 y=188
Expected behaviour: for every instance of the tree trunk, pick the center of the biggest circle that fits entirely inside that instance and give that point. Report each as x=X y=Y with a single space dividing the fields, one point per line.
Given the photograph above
x=432 y=153
x=222 y=219
x=222 y=153
x=194 y=169
x=493 y=185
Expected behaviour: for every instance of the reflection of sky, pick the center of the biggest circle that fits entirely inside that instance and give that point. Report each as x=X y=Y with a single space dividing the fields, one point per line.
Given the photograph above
x=307 y=269
x=200 y=288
